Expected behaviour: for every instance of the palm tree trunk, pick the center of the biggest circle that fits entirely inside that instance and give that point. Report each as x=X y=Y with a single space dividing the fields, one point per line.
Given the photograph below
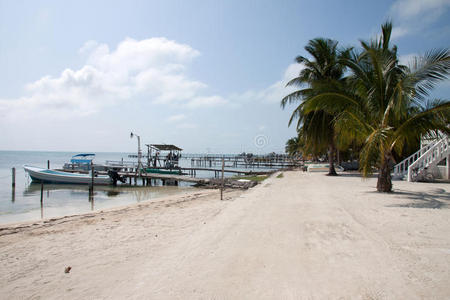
x=384 y=183
x=331 y=152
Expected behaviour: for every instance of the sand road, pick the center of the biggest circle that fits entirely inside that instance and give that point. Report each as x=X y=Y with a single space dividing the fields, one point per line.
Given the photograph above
x=303 y=236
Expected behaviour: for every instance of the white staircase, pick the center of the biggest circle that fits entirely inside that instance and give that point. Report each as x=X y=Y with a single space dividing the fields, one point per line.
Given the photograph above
x=415 y=166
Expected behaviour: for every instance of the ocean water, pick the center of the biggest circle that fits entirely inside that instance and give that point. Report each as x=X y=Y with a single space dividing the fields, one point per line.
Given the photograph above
x=24 y=202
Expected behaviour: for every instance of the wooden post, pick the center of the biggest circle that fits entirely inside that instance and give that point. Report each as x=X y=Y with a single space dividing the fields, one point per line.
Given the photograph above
x=92 y=176
x=48 y=164
x=13 y=185
x=42 y=200
x=13 y=173
x=91 y=197
x=91 y=188
x=222 y=186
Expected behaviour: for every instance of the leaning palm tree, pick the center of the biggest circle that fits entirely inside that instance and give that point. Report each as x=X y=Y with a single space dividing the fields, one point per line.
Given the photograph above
x=384 y=103
x=321 y=72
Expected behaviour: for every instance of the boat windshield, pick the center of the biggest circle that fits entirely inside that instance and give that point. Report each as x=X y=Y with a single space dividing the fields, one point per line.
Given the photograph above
x=83 y=158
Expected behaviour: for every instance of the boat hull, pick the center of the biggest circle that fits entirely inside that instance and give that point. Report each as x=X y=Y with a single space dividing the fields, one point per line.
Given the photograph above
x=52 y=176
x=162 y=171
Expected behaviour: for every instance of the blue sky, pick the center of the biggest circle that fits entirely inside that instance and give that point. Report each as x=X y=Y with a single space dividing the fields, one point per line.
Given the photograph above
x=205 y=75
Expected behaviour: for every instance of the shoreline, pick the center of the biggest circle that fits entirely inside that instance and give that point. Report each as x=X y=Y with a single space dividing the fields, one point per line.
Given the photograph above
x=15 y=227
x=281 y=239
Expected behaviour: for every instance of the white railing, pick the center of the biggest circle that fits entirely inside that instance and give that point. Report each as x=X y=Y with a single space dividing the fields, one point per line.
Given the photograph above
x=437 y=152
x=401 y=169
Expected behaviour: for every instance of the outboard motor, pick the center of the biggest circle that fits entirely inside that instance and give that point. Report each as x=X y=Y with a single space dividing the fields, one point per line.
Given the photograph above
x=114 y=175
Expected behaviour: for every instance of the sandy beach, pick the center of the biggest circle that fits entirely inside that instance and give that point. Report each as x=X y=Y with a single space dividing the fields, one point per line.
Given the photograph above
x=302 y=236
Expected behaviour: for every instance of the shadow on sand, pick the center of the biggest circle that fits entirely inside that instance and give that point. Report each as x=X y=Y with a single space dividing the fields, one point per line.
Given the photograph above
x=437 y=198
x=356 y=174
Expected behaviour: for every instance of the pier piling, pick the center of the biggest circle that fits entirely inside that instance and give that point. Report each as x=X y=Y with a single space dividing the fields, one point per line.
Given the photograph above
x=13 y=173
x=92 y=177
x=221 y=188
x=13 y=185
x=42 y=200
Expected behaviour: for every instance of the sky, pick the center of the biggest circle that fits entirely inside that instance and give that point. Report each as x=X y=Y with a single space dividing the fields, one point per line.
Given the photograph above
x=207 y=76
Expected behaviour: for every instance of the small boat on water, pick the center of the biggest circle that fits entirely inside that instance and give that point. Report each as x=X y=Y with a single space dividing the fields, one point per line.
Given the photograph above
x=84 y=162
x=80 y=162
x=53 y=176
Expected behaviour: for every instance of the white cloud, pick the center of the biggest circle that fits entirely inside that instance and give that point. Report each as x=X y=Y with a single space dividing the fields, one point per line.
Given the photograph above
x=186 y=126
x=152 y=69
x=276 y=91
x=407 y=59
x=399 y=32
x=206 y=101
x=176 y=118
x=416 y=15
x=413 y=8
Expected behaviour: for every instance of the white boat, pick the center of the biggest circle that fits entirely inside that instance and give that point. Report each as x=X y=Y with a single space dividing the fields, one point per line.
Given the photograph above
x=85 y=162
x=323 y=168
x=53 y=176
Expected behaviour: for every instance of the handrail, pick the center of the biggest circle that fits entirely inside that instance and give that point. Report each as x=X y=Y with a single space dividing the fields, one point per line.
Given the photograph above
x=433 y=154
x=402 y=167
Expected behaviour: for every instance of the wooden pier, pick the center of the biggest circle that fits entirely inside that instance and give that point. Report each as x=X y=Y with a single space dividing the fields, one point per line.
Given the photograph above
x=236 y=161
x=132 y=176
x=146 y=178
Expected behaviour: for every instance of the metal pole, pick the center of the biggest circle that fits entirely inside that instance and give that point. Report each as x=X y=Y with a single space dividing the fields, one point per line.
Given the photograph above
x=139 y=153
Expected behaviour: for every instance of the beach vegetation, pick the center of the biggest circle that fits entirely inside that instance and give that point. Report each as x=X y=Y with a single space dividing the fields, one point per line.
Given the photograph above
x=383 y=104
x=315 y=128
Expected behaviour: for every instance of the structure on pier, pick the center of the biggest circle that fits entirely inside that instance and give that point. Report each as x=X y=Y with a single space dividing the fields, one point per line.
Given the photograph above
x=162 y=155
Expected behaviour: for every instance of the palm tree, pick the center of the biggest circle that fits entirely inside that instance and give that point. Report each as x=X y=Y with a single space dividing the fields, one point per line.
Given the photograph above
x=293 y=146
x=384 y=103
x=318 y=74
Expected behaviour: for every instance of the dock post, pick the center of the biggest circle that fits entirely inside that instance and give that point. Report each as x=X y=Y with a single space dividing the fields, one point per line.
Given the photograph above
x=91 y=188
x=48 y=164
x=92 y=176
x=13 y=173
x=222 y=186
x=42 y=200
x=13 y=185
x=91 y=198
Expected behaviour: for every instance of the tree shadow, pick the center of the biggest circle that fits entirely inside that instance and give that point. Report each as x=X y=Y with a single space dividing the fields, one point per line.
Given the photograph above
x=356 y=174
x=437 y=199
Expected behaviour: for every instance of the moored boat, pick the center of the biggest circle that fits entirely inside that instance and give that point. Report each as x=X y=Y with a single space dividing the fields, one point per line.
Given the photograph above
x=162 y=171
x=85 y=162
x=53 y=176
